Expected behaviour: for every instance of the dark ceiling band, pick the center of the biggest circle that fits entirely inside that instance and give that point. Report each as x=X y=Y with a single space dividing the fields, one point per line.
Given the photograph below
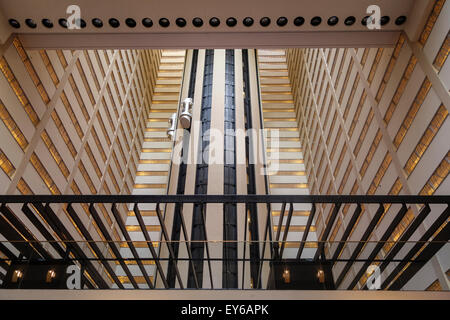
x=201 y=177
x=230 y=254
x=181 y=184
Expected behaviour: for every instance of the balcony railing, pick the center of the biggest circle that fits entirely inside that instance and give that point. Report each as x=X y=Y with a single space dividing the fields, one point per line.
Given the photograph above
x=391 y=236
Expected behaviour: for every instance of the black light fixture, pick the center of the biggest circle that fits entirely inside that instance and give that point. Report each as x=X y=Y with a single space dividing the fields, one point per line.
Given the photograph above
x=62 y=22
x=282 y=21
x=265 y=21
x=400 y=20
x=349 y=21
x=130 y=22
x=316 y=21
x=332 y=21
x=197 y=22
x=113 y=22
x=365 y=20
x=96 y=22
x=385 y=20
x=181 y=22
x=47 y=23
x=164 y=22
x=248 y=22
x=147 y=22
x=214 y=22
x=81 y=23
x=31 y=23
x=231 y=22
x=14 y=23
x=299 y=21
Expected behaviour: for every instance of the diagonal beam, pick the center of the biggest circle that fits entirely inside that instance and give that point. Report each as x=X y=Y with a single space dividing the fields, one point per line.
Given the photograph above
x=347 y=232
x=327 y=230
x=381 y=242
x=131 y=245
x=112 y=244
x=306 y=232
x=361 y=243
x=147 y=238
x=286 y=229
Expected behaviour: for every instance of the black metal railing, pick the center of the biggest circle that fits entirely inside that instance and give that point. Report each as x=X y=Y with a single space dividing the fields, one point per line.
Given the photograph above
x=398 y=234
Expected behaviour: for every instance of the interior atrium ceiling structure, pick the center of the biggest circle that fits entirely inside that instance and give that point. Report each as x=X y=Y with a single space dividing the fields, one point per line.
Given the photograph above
x=88 y=119
x=206 y=24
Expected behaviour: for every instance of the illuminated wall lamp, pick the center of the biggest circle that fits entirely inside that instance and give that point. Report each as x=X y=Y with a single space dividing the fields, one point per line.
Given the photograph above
x=287 y=275
x=172 y=126
x=185 y=115
x=50 y=276
x=321 y=276
x=18 y=274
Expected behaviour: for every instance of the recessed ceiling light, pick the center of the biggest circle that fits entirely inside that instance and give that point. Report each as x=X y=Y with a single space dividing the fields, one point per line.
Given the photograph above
x=97 y=22
x=231 y=22
x=332 y=21
x=316 y=21
x=130 y=22
x=31 y=23
x=147 y=22
x=265 y=21
x=384 y=20
x=364 y=20
x=214 y=22
x=62 y=22
x=47 y=23
x=181 y=22
x=350 y=21
x=248 y=22
x=299 y=21
x=14 y=23
x=164 y=22
x=400 y=20
x=282 y=21
x=197 y=22
x=113 y=22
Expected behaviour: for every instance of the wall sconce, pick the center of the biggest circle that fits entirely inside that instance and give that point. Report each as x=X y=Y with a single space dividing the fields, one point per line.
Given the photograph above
x=17 y=275
x=172 y=126
x=287 y=275
x=50 y=275
x=185 y=115
x=321 y=276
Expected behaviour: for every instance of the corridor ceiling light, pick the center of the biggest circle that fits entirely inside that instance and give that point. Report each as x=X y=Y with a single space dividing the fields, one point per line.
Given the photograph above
x=349 y=21
x=113 y=22
x=63 y=23
x=185 y=115
x=164 y=22
x=130 y=22
x=332 y=21
x=147 y=22
x=231 y=22
x=18 y=274
x=47 y=23
x=97 y=23
x=287 y=275
x=400 y=20
x=316 y=21
x=197 y=22
x=265 y=21
x=181 y=22
x=299 y=21
x=30 y=23
x=282 y=21
x=248 y=22
x=14 y=23
x=365 y=20
x=214 y=22
x=81 y=23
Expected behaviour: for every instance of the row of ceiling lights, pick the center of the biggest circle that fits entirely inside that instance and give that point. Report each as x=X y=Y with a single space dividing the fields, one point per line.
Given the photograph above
x=214 y=22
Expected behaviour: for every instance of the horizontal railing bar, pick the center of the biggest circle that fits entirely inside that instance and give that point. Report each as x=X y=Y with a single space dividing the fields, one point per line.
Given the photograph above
x=434 y=199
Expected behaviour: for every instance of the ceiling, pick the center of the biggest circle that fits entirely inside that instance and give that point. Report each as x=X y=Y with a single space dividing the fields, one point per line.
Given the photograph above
x=189 y=36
